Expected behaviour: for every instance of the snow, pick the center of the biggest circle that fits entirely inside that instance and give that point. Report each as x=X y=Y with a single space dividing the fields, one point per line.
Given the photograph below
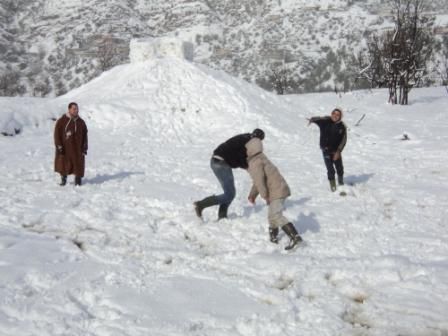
x=149 y=48
x=441 y=20
x=125 y=255
x=26 y=112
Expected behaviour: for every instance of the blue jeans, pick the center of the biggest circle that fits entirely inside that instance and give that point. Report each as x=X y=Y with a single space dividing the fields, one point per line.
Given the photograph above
x=224 y=175
x=330 y=164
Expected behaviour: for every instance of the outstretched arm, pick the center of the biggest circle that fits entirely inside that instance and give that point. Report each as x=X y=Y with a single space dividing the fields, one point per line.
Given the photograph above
x=316 y=120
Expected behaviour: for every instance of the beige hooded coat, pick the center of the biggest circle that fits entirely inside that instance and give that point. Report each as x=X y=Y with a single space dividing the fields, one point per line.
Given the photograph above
x=267 y=180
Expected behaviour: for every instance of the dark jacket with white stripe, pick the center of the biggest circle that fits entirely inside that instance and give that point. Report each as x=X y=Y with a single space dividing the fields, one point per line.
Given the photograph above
x=333 y=135
x=233 y=151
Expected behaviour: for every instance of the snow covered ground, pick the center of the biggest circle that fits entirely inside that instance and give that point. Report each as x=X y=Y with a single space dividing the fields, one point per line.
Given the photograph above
x=125 y=255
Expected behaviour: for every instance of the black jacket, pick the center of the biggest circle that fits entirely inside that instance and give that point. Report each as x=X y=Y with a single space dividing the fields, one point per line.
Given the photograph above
x=233 y=151
x=333 y=135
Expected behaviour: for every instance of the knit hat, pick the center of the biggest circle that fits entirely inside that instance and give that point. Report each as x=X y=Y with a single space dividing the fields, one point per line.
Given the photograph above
x=258 y=133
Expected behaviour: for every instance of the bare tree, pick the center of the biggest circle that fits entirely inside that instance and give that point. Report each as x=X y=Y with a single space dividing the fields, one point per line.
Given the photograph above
x=107 y=53
x=371 y=63
x=283 y=79
x=443 y=73
x=398 y=58
x=279 y=79
x=442 y=68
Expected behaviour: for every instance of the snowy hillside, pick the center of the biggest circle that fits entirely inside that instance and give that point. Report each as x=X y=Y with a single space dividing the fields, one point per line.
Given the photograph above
x=48 y=47
x=125 y=255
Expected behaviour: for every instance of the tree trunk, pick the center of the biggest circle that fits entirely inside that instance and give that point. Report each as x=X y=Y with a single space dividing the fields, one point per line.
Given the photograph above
x=393 y=92
x=404 y=90
x=404 y=98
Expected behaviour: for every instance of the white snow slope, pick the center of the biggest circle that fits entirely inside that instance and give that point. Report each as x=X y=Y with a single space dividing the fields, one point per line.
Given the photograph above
x=125 y=255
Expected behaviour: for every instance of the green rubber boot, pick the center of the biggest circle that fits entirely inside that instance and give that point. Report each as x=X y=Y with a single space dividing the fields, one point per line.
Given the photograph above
x=333 y=185
x=222 y=212
x=273 y=235
x=199 y=206
x=294 y=237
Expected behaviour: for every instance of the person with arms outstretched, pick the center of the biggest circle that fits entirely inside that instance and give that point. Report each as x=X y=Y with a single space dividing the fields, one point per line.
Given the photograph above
x=333 y=138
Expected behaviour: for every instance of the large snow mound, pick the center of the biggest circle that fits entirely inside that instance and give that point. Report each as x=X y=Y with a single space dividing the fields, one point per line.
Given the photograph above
x=174 y=97
x=167 y=98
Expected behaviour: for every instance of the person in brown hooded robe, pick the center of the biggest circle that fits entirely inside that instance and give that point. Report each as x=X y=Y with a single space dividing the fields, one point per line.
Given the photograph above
x=70 y=139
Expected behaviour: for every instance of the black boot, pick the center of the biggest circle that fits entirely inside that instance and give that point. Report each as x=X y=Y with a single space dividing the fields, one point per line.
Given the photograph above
x=78 y=181
x=205 y=203
x=294 y=237
x=273 y=233
x=222 y=212
x=341 y=180
x=63 y=180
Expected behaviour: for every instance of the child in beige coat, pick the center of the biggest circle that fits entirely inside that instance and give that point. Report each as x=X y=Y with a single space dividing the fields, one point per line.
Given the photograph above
x=272 y=187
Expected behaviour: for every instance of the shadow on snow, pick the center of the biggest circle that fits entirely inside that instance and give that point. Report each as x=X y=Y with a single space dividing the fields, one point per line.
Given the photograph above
x=102 y=178
x=306 y=223
x=357 y=179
